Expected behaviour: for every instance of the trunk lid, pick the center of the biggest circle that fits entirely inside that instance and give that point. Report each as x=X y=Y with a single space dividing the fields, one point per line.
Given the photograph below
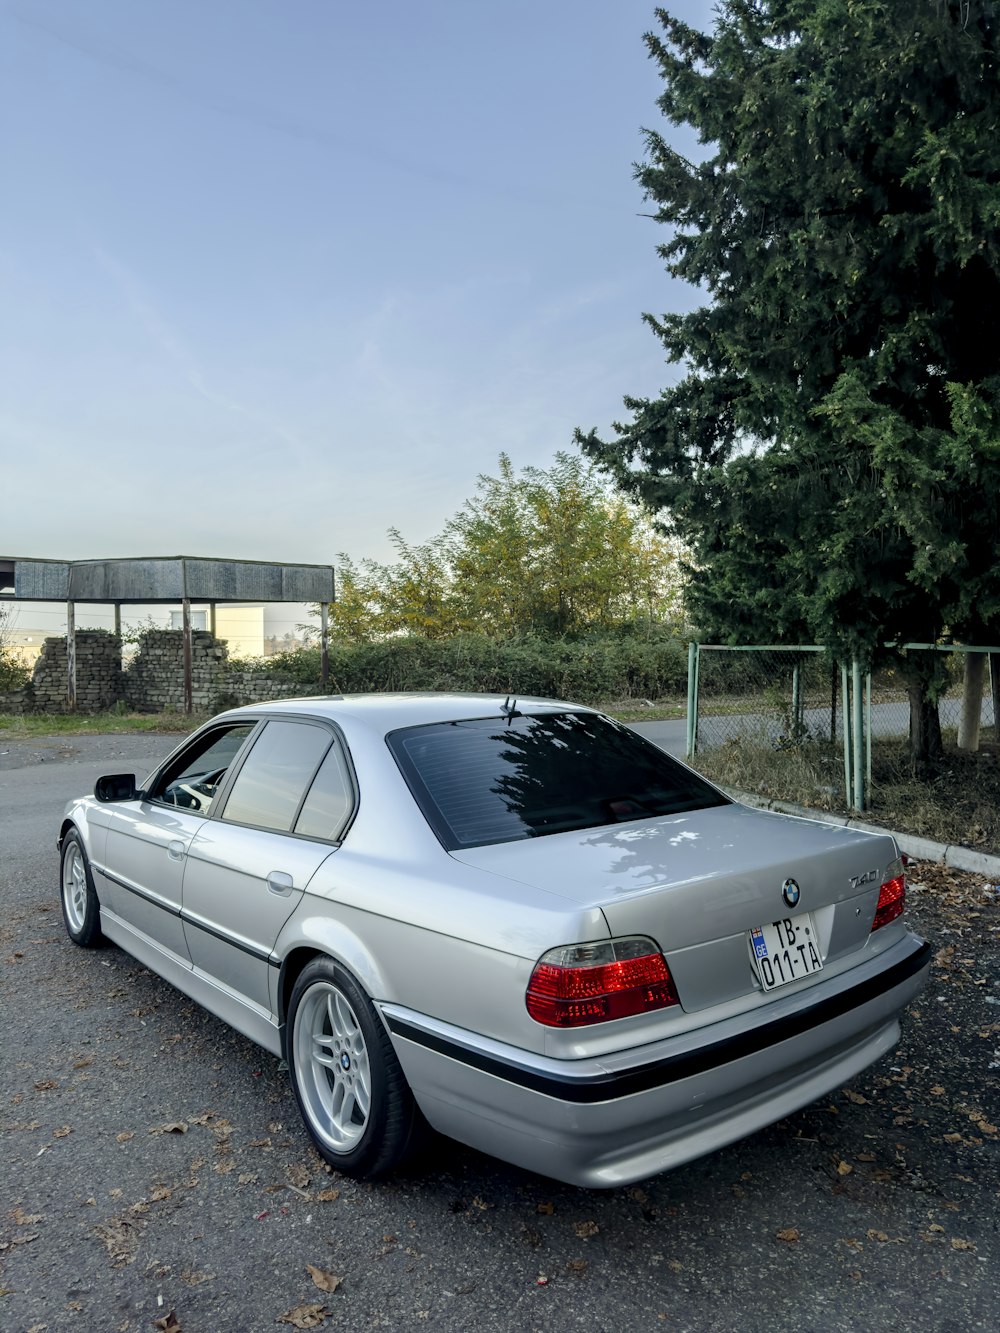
x=697 y=882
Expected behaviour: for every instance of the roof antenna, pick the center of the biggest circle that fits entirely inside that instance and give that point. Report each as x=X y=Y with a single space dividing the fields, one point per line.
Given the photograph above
x=509 y=709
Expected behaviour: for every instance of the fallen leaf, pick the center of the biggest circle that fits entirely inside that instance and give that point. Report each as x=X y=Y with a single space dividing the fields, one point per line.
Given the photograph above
x=855 y=1097
x=174 y=1127
x=298 y=1175
x=547 y=1208
x=865 y=1156
x=790 y=1235
x=577 y=1265
x=125 y=1135
x=24 y=1219
x=844 y=1168
x=958 y=1244
x=62 y=1133
x=880 y=1236
x=305 y=1316
x=168 y=1324
x=324 y=1196
x=159 y=1192
x=322 y=1279
x=586 y=1229
x=19 y=1240
x=953 y=1138
x=937 y=1090
x=194 y=1277
x=44 y=1084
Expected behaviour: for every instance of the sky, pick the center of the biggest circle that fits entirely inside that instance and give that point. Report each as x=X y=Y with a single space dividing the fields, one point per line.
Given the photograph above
x=278 y=275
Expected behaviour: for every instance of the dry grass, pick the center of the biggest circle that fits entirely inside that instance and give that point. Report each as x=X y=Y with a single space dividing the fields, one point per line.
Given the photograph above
x=22 y=727
x=960 y=803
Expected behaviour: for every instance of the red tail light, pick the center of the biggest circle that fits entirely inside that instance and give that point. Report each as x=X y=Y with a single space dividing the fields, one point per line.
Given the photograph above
x=593 y=983
x=891 y=896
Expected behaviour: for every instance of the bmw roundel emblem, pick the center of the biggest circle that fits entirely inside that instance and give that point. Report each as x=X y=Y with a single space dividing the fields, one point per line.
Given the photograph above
x=791 y=892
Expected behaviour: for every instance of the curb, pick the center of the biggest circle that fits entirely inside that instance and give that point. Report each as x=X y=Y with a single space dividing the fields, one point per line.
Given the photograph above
x=921 y=849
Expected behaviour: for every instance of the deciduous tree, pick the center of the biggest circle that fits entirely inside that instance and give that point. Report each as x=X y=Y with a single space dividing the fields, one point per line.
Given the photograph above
x=831 y=452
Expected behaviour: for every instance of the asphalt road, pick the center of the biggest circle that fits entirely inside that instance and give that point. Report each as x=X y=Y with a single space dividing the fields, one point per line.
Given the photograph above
x=888 y=721
x=153 y=1163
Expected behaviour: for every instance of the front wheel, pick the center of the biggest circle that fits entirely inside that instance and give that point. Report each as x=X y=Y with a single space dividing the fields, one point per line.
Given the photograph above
x=348 y=1083
x=80 y=907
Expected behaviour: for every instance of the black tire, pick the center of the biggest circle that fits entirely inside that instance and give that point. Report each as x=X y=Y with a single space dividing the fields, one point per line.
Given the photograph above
x=351 y=1091
x=80 y=906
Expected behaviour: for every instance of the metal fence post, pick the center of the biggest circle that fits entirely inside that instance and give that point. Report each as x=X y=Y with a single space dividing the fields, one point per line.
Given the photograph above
x=857 y=729
x=868 y=733
x=796 y=703
x=848 y=766
x=692 y=708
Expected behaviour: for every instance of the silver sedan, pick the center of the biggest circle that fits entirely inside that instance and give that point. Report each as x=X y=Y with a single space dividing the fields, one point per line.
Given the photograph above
x=512 y=920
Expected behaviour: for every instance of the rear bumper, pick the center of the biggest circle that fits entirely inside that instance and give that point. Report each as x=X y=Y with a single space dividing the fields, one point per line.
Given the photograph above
x=609 y=1121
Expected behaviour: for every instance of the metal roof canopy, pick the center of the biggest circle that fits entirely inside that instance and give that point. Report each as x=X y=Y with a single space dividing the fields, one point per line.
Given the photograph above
x=170 y=579
x=164 y=579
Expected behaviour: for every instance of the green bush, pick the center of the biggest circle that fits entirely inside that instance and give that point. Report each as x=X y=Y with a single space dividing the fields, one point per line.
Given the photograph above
x=589 y=669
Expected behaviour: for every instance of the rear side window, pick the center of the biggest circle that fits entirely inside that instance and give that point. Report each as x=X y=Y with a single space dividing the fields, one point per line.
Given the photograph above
x=270 y=786
x=330 y=800
x=492 y=780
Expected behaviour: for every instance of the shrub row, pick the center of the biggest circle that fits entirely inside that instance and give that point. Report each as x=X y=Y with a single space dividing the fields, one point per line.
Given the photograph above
x=588 y=670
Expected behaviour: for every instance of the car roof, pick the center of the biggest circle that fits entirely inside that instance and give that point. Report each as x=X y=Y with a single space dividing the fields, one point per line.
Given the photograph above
x=389 y=711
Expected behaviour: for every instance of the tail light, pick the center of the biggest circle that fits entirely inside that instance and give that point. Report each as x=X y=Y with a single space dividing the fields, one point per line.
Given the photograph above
x=891 y=896
x=579 y=984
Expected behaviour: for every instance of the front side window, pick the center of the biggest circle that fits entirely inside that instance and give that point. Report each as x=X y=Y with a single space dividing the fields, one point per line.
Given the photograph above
x=194 y=777
x=490 y=780
x=271 y=783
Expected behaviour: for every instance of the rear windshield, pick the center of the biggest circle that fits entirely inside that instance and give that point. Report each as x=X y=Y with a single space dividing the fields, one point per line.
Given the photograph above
x=492 y=780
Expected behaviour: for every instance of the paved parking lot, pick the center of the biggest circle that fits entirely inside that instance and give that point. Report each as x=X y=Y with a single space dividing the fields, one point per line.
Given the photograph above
x=155 y=1174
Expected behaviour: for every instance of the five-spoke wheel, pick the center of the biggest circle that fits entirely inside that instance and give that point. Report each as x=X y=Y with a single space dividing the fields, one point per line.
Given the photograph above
x=81 y=909
x=348 y=1083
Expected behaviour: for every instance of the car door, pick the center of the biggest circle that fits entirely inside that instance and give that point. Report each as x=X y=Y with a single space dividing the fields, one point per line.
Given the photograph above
x=148 y=840
x=248 y=867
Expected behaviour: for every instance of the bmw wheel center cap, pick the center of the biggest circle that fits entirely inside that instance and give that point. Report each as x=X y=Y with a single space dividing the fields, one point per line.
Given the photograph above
x=791 y=892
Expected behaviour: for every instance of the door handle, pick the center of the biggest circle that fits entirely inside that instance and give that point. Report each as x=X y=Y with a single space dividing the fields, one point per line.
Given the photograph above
x=176 y=850
x=280 y=883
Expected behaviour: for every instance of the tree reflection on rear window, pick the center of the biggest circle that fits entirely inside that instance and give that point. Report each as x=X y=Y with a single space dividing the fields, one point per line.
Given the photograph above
x=490 y=780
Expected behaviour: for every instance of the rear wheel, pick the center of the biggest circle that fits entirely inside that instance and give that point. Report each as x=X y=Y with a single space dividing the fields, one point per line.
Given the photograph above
x=348 y=1083
x=80 y=907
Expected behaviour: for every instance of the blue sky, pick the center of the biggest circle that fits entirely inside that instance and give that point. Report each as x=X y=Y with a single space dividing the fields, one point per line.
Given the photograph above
x=275 y=277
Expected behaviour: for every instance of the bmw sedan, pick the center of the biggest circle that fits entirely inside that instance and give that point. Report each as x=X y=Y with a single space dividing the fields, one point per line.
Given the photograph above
x=513 y=920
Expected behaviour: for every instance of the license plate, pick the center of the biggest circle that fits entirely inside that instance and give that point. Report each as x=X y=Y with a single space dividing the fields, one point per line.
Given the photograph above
x=785 y=950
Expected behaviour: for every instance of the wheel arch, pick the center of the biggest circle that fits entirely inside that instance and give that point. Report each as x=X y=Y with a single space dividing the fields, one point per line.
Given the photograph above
x=64 y=828
x=342 y=947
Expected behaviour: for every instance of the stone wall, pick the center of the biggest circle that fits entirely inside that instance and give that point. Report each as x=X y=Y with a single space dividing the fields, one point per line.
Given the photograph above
x=98 y=674
x=153 y=682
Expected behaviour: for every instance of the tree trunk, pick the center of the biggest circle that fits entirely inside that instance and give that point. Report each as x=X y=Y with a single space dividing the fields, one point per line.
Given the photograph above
x=995 y=673
x=926 y=748
x=972 y=702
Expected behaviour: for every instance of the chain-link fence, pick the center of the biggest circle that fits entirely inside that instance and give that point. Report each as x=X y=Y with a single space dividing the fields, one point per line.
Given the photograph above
x=794 y=723
x=768 y=719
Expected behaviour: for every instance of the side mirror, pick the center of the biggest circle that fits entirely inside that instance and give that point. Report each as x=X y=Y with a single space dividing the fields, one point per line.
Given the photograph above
x=115 y=787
